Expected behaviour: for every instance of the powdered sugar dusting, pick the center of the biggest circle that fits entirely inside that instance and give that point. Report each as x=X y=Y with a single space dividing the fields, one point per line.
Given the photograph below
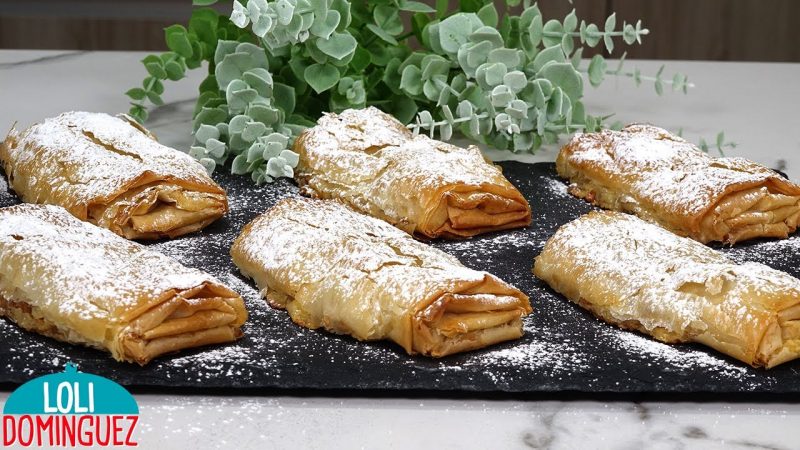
x=74 y=268
x=564 y=348
x=78 y=159
x=371 y=161
x=658 y=171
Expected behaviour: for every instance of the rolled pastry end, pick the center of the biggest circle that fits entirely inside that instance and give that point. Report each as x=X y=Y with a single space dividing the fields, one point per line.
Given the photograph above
x=157 y=209
x=751 y=213
x=466 y=214
x=200 y=316
x=781 y=341
x=457 y=323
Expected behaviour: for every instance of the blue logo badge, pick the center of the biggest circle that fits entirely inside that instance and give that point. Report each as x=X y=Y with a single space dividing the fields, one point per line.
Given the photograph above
x=70 y=408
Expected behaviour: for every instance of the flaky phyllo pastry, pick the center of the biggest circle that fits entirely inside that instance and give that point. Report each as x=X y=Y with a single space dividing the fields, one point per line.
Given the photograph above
x=112 y=172
x=641 y=277
x=331 y=267
x=369 y=160
x=82 y=284
x=660 y=177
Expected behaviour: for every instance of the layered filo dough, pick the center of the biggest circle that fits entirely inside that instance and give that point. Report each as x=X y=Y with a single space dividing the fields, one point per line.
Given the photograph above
x=660 y=177
x=78 y=283
x=639 y=276
x=112 y=172
x=332 y=267
x=371 y=161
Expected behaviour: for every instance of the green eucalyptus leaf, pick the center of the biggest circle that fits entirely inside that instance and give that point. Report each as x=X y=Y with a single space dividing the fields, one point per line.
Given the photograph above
x=550 y=54
x=378 y=31
x=411 y=80
x=253 y=130
x=156 y=70
x=516 y=80
x=597 y=70
x=387 y=18
x=206 y=132
x=203 y=2
x=284 y=96
x=552 y=33
x=412 y=6
x=321 y=77
x=535 y=31
x=487 y=34
x=135 y=93
x=611 y=23
x=488 y=15
x=177 y=39
x=155 y=98
x=511 y=58
x=361 y=60
x=174 y=71
x=215 y=148
x=456 y=29
x=239 y=165
x=323 y=28
x=570 y=22
x=592 y=35
x=338 y=46
x=565 y=77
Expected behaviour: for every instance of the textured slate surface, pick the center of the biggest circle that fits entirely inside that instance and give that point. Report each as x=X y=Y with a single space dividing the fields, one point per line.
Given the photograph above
x=564 y=348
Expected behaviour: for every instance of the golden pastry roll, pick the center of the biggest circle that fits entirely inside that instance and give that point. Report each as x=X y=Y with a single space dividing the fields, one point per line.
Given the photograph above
x=349 y=273
x=371 y=161
x=112 y=172
x=660 y=177
x=640 y=276
x=78 y=283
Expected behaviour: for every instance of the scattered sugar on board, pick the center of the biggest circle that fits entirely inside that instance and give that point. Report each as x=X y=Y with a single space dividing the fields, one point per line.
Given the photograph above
x=546 y=354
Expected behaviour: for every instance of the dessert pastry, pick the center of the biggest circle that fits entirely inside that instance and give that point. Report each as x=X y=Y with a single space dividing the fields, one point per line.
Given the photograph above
x=369 y=160
x=642 y=277
x=332 y=267
x=661 y=178
x=112 y=172
x=82 y=284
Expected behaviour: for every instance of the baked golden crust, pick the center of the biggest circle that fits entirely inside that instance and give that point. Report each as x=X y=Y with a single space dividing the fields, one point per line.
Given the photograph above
x=112 y=172
x=639 y=276
x=647 y=171
x=79 y=283
x=369 y=160
x=331 y=267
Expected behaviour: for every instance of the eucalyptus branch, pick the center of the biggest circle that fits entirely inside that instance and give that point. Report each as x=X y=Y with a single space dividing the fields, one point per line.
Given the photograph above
x=276 y=65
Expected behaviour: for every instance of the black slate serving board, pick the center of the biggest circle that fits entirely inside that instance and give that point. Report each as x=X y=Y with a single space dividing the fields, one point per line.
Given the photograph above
x=564 y=348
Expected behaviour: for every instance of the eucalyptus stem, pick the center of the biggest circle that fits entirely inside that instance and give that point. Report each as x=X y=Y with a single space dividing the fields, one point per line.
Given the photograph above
x=599 y=34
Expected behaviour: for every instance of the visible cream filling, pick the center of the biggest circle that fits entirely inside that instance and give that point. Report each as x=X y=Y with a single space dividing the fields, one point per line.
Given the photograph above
x=156 y=210
x=462 y=322
x=752 y=213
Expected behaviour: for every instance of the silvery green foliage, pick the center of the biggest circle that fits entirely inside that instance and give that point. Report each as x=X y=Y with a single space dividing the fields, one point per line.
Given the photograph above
x=510 y=80
x=515 y=88
x=248 y=126
x=321 y=25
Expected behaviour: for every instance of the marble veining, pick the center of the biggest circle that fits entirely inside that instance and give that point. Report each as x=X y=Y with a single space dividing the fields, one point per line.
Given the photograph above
x=41 y=59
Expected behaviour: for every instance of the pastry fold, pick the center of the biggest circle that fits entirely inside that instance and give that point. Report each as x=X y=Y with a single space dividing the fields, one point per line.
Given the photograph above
x=82 y=284
x=332 y=267
x=647 y=171
x=112 y=172
x=371 y=161
x=639 y=276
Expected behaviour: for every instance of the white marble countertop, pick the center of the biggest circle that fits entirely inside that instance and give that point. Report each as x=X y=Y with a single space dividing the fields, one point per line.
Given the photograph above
x=753 y=103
